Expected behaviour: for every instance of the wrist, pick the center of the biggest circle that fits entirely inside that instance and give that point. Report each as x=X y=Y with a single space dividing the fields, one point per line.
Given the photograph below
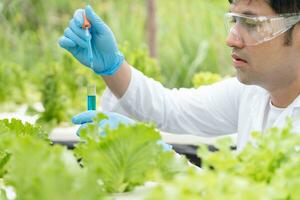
x=119 y=82
x=118 y=61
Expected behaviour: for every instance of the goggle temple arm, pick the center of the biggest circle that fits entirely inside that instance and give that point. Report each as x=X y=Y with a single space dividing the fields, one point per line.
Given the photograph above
x=292 y=20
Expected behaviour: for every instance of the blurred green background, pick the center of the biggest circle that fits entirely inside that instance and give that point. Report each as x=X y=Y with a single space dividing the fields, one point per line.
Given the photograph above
x=33 y=68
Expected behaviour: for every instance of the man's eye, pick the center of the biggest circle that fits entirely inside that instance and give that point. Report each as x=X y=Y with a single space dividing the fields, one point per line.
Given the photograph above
x=249 y=23
x=233 y=20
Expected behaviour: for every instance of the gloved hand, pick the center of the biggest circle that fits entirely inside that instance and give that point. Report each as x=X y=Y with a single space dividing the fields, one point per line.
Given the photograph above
x=107 y=59
x=113 y=121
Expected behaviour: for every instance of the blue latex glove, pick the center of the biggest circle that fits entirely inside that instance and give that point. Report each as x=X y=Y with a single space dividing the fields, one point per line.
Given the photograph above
x=107 y=59
x=113 y=121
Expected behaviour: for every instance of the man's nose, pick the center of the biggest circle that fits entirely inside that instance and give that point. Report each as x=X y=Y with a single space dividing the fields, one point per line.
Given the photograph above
x=234 y=40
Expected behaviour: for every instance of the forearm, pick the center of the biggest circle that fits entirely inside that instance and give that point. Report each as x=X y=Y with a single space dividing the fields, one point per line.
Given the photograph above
x=119 y=82
x=206 y=111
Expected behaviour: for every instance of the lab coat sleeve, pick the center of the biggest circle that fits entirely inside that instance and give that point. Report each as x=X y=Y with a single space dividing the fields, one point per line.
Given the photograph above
x=205 y=111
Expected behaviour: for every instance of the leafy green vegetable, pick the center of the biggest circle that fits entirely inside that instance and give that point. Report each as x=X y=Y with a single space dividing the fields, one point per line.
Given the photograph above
x=10 y=74
x=205 y=78
x=15 y=127
x=169 y=165
x=140 y=59
x=3 y=194
x=53 y=99
x=267 y=168
x=126 y=157
x=260 y=159
x=37 y=170
x=207 y=185
x=12 y=130
x=117 y=162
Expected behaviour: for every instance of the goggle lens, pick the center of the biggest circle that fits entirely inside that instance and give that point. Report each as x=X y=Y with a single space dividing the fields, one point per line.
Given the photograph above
x=255 y=30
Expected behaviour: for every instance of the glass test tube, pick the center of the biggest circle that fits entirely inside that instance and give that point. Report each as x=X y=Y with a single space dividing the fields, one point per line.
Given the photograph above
x=91 y=97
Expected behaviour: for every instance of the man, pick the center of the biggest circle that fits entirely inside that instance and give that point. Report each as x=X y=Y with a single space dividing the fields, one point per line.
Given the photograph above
x=265 y=41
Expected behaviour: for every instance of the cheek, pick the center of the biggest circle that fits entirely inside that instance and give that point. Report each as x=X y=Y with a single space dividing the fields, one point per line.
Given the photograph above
x=267 y=55
x=271 y=65
x=259 y=60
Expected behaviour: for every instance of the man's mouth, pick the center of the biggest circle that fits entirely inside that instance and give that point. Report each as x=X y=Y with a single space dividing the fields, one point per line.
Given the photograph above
x=238 y=62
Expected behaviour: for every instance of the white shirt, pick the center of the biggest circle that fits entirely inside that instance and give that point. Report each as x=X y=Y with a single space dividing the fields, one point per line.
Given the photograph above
x=223 y=108
x=271 y=115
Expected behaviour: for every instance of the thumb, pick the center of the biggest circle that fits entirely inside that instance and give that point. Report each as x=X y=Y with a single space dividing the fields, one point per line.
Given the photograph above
x=96 y=22
x=84 y=117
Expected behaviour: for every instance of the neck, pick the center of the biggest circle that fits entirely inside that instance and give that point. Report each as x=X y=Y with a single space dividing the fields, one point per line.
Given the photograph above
x=284 y=96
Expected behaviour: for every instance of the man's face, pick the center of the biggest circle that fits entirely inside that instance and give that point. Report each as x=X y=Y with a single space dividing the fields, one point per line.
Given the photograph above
x=270 y=64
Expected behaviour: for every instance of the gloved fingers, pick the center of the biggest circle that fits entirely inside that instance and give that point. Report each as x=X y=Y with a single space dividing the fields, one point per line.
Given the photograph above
x=111 y=123
x=83 y=126
x=165 y=146
x=77 y=40
x=120 y=118
x=66 y=43
x=104 y=123
x=81 y=33
x=84 y=117
x=96 y=22
x=78 y=17
x=114 y=120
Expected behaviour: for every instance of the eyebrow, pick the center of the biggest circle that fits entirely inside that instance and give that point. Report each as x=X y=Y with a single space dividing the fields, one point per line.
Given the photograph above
x=248 y=12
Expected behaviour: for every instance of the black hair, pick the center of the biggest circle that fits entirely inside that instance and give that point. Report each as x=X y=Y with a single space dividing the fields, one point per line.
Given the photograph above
x=282 y=6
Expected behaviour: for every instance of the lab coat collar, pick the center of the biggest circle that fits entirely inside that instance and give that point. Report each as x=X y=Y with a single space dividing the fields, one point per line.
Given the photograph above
x=257 y=115
x=288 y=113
x=258 y=111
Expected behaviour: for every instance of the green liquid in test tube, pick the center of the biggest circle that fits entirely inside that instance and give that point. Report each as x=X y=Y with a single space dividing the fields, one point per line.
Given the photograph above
x=91 y=97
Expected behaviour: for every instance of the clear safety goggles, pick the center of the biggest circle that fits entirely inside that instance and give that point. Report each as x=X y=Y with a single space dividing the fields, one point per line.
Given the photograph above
x=254 y=30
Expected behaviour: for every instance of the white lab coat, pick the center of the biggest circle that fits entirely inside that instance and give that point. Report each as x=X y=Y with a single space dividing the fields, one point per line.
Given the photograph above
x=223 y=108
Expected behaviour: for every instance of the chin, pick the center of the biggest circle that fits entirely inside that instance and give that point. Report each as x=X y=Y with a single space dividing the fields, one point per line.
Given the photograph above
x=244 y=79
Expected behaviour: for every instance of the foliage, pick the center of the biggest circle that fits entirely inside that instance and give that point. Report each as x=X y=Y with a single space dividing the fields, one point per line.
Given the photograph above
x=37 y=170
x=192 y=39
x=64 y=93
x=52 y=99
x=124 y=158
x=16 y=127
x=127 y=157
x=140 y=59
x=208 y=185
x=3 y=195
x=267 y=168
x=12 y=84
x=10 y=130
x=188 y=42
x=75 y=80
x=205 y=78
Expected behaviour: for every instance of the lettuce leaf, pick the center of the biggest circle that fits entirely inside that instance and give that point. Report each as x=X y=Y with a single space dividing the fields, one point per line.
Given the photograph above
x=127 y=157
x=267 y=168
x=37 y=170
x=12 y=130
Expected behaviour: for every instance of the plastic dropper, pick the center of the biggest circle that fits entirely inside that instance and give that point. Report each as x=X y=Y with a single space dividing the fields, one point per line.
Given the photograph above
x=87 y=25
